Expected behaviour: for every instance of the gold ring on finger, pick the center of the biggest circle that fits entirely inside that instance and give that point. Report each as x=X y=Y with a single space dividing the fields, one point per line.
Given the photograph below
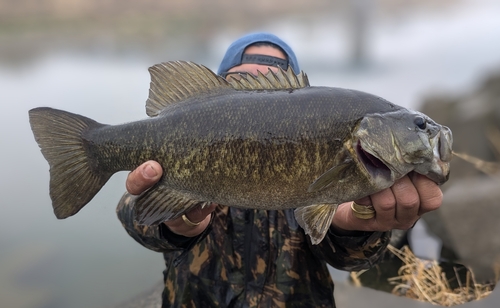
x=362 y=211
x=189 y=222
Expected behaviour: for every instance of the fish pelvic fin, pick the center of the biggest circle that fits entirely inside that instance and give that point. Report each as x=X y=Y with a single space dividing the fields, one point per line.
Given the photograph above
x=161 y=203
x=73 y=183
x=172 y=82
x=316 y=220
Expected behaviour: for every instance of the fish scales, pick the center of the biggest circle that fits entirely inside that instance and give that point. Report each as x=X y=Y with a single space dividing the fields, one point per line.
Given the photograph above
x=244 y=143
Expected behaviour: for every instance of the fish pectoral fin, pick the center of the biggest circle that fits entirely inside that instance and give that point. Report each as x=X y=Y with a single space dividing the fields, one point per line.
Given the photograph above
x=316 y=220
x=161 y=203
x=328 y=178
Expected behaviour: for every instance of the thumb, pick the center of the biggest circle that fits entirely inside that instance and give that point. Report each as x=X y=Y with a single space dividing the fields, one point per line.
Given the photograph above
x=143 y=177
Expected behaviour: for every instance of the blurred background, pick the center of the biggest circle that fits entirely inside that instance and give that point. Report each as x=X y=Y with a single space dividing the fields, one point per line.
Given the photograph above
x=91 y=57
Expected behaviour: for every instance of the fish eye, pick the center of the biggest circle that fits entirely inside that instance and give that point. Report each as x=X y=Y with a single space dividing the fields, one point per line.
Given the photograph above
x=420 y=122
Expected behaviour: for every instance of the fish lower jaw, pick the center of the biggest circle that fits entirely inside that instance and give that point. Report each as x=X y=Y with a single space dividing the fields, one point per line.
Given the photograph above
x=377 y=169
x=438 y=171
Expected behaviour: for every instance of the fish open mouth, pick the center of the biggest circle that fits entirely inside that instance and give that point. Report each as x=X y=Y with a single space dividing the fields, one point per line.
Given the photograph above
x=373 y=165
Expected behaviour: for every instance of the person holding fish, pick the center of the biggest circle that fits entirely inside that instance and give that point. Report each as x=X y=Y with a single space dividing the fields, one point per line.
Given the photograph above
x=280 y=158
x=220 y=256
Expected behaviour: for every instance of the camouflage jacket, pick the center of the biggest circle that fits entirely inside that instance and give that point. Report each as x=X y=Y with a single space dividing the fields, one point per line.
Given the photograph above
x=252 y=258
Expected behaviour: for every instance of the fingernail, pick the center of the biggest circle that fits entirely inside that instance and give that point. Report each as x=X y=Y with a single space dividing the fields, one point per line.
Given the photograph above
x=149 y=172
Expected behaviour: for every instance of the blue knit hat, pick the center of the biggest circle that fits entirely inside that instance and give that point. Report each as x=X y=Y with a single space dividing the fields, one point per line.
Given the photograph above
x=234 y=54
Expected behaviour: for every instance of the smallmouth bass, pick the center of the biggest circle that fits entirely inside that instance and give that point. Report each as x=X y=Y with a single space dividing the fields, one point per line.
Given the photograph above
x=267 y=142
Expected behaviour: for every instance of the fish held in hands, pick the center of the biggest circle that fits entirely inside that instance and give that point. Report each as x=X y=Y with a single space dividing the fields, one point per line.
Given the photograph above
x=262 y=142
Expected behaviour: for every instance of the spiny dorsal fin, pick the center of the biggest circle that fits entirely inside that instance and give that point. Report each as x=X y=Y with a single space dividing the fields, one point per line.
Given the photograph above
x=174 y=81
x=281 y=80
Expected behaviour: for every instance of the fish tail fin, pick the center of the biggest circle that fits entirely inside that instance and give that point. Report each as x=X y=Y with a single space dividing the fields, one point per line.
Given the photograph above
x=73 y=181
x=315 y=220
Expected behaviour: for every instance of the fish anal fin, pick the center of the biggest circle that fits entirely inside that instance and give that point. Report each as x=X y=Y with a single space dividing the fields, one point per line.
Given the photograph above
x=161 y=203
x=316 y=220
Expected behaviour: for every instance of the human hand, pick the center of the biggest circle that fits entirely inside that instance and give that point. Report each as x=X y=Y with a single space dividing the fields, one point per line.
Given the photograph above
x=198 y=220
x=148 y=174
x=397 y=207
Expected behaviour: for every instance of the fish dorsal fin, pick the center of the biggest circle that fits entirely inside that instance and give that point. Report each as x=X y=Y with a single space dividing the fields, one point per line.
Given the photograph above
x=174 y=81
x=280 y=80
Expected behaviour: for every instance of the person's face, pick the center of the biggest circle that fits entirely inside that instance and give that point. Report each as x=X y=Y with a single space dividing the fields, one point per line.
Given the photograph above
x=255 y=68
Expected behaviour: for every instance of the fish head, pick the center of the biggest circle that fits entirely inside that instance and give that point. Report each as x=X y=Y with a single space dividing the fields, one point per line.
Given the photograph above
x=390 y=145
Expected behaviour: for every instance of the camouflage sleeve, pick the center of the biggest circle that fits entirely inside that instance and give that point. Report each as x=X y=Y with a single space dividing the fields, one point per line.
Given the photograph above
x=156 y=238
x=354 y=252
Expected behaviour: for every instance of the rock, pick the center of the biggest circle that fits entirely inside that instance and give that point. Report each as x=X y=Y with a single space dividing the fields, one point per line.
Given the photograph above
x=470 y=117
x=470 y=215
x=469 y=220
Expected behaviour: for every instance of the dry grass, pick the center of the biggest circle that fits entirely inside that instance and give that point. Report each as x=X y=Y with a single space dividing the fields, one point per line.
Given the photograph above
x=490 y=168
x=425 y=281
